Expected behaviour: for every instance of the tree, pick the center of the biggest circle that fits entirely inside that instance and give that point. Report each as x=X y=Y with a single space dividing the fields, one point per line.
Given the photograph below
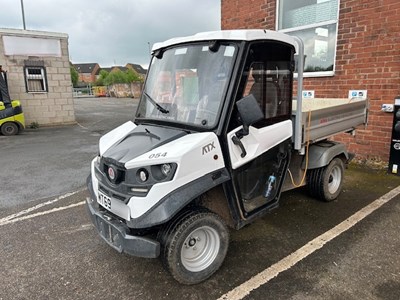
x=103 y=75
x=74 y=76
x=133 y=76
x=116 y=76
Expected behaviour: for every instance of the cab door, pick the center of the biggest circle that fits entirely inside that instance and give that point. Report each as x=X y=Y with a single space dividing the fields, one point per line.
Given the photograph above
x=259 y=158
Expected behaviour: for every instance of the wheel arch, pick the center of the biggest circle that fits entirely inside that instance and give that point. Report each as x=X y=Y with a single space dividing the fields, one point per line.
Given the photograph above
x=321 y=154
x=215 y=201
x=19 y=125
x=176 y=201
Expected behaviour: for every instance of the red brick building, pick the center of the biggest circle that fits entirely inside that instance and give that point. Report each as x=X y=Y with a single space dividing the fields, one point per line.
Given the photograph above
x=349 y=45
x=87 y=72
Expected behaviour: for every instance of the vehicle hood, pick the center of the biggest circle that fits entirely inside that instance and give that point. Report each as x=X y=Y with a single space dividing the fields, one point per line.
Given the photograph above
x=141 y=139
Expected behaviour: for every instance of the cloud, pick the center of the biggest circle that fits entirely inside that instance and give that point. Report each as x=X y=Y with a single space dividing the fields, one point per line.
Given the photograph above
x=114 y=32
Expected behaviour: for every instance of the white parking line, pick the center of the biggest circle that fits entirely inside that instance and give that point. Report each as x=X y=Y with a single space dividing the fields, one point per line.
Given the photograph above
x=6 y=220
x=81 y=126
x=40 y=213
x=289 y=261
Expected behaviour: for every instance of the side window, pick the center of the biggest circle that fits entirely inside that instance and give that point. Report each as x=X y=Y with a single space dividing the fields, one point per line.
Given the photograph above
x=270 y=84
x=268 y=75
x=265 y=87
x=254 y=83
x=35 y=77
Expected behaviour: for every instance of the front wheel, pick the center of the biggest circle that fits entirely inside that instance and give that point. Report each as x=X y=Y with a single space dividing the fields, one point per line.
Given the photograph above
x=326 y=183
x=9 y=128
x=194 y=247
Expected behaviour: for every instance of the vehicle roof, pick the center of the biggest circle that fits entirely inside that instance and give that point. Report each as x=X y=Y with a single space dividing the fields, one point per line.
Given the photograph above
x=236 y=35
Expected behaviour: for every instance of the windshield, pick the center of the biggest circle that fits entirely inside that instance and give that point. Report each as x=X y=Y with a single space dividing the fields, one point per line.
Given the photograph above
x=186 y=85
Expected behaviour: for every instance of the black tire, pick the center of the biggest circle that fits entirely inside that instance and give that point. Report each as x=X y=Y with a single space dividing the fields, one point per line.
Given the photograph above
x=326 y=183
x=9 y=128
x=194 y=246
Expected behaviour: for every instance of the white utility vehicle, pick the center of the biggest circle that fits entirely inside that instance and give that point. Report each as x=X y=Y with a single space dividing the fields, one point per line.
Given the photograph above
x=216 y=138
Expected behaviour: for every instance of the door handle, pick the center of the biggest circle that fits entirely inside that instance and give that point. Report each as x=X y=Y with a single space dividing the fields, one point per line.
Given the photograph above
x=239 y=143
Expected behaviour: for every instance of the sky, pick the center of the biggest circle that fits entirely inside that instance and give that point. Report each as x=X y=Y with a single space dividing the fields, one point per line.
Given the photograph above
x=113 y=32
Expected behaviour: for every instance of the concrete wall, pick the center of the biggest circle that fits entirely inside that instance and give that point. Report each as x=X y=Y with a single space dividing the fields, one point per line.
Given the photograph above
x=367 y=58
x=55 y=106
x=125 y=90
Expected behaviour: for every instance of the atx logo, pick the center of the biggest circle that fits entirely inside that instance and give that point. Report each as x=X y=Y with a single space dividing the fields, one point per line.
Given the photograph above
x=207 y=148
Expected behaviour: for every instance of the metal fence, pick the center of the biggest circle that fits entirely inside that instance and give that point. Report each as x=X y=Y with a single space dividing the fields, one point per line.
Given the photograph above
x=83 y=92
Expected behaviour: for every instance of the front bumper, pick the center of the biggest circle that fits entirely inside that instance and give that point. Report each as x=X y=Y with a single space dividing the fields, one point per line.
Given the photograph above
x=115 y=233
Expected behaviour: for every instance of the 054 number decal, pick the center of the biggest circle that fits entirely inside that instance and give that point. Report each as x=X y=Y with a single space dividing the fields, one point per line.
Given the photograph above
x=158 y=155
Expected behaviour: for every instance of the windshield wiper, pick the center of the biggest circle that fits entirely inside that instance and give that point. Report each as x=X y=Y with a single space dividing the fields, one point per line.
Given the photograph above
x=158 y=106
x=145 y=133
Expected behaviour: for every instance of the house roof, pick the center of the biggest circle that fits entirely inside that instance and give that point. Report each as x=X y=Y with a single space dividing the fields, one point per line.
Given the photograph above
x=105 y=69
x=85 y=68
x=138 y=68
x=123 y=69
x=113 y=68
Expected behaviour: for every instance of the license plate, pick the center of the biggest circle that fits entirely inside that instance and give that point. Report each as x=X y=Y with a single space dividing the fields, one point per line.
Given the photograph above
x=104 y=200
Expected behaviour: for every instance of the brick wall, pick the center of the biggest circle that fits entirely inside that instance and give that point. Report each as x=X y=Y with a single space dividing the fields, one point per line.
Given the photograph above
x=46 y=108
x=367 y=57
x=248 y=14
x=88 y=78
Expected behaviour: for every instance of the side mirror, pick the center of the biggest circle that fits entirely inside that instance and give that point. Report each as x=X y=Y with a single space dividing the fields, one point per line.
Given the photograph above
x=250 y=113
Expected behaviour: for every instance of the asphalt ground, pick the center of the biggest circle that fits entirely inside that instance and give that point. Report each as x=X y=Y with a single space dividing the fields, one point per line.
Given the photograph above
x=51 y=161
x=49 y=249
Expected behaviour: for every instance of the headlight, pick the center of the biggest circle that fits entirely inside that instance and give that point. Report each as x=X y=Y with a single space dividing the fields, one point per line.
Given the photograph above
x=142 y=175
x=166 y=169
x=163 y=172
x=140 y=180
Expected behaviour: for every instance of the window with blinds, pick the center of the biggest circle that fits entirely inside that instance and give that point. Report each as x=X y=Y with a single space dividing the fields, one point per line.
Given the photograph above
x=35 y=79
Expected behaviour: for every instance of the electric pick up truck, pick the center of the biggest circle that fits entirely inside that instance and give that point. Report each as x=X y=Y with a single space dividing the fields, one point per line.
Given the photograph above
x=217 y=137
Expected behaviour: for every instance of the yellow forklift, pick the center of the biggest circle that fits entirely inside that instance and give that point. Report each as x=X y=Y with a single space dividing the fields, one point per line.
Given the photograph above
x=12 y=119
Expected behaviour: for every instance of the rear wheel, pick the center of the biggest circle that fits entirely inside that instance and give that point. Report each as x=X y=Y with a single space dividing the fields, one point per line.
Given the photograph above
x=194 y=246
x=326 y=183
x=9 y=128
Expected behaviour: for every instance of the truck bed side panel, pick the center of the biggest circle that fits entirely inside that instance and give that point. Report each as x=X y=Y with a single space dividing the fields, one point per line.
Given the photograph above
x=330 y=117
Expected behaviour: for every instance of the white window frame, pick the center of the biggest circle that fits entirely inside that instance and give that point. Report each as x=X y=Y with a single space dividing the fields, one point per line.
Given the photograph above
x=309 y=26
x=36 y=77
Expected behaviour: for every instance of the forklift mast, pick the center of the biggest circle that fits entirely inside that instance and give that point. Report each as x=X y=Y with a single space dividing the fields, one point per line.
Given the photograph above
x=4 y=95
